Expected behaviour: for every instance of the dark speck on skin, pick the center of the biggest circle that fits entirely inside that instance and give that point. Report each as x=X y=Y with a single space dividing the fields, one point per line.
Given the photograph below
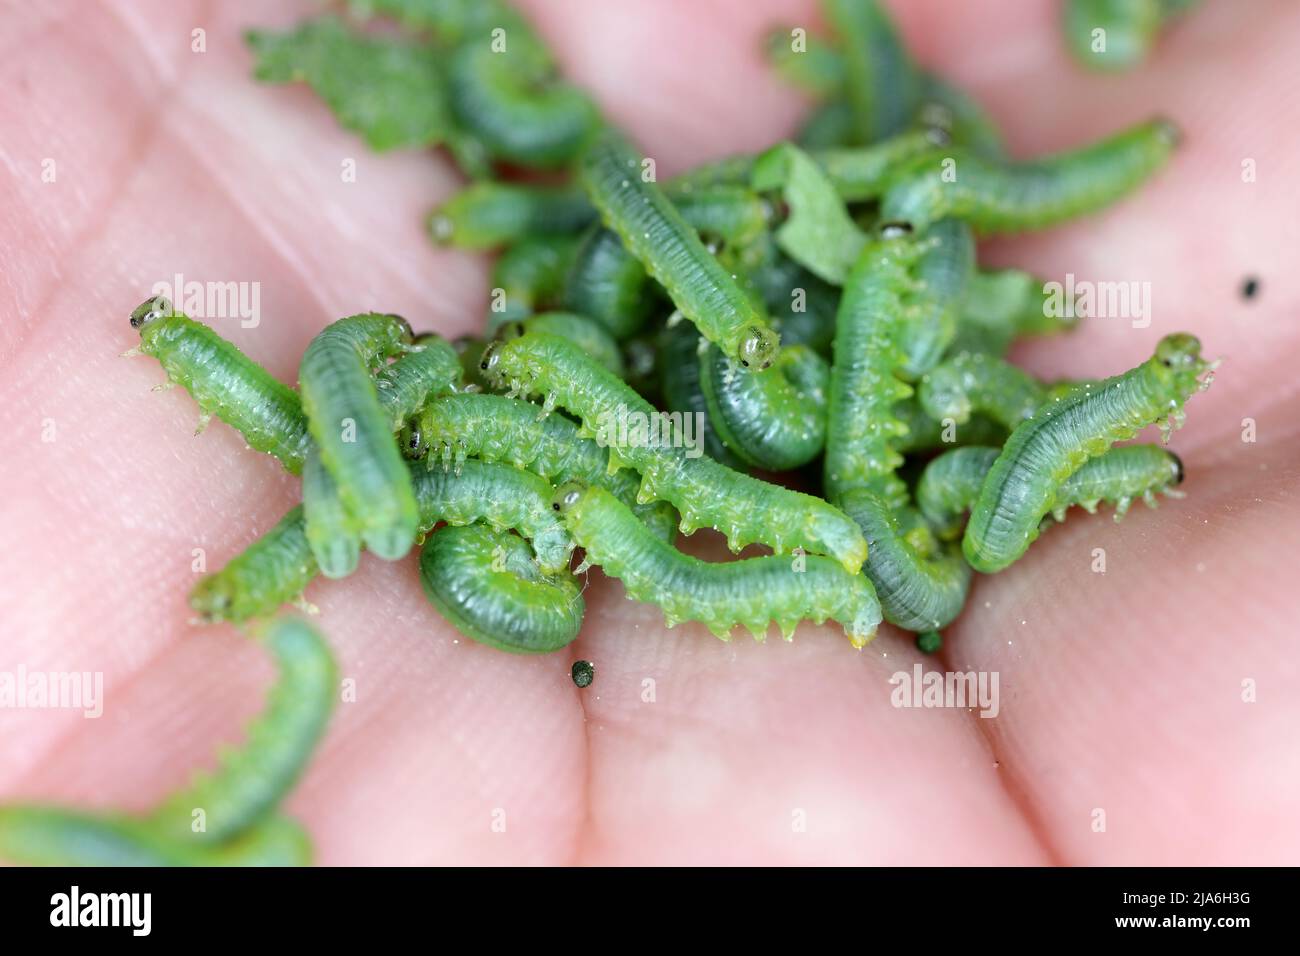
x=1249 y=288
x=584 y=672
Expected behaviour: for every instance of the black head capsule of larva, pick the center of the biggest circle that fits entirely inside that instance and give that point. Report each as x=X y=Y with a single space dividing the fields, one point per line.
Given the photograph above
x=412 y=442
x=567 y=496
x=1179 y=472
x=490 y=359
x=148 y=310
x=510 y=331
x=758 y=347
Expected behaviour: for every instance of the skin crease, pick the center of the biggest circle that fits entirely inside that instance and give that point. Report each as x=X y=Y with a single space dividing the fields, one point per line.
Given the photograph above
x=1119 y=691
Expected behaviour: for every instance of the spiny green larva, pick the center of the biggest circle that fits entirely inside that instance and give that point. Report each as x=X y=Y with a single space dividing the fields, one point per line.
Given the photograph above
x=607 y=284
x=744 y=509
x=241 y=826
x=775 y=421
x=971 y=383
x=862 y=429
x=683 y=391
x=488 y=586
x=672 y=253
x=224 y=382
x=922 y=583
x=1041 y=453
x=352 y=431
x=272 y=571
x=943 y=270
x=454 y=428
x=951 y=483
x=926 y=434
x=587 y=334
x=751 y=592
x=1013 y=197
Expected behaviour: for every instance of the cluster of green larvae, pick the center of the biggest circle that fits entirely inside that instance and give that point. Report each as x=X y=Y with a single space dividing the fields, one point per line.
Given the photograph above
x=815 y=310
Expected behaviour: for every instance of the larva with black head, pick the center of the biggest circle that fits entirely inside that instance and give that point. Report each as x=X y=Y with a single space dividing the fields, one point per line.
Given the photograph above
x=454 y=428
x=998 y=197
x=672 y=253
x=775 y=421
x=752 y=592
x=744 y=509
x=1045 y=450
x=587 y=334
x=239 y=800
x=352 y=432
x=488 y=586
x=224 y=382
x=952 y=481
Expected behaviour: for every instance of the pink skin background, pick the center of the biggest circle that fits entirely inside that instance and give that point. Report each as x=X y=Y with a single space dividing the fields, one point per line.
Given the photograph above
x=1120 y=691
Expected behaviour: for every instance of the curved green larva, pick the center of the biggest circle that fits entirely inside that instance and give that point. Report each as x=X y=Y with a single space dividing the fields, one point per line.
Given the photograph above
x=224 y=382
x=734 y=215
x=922 y=584
x=971 y=383
x=510 y=100
x=951 y=482
x=744 y=509
x=489 y=214
x=1003 y=305
x=862 y=429
x=776 y=420
x=943 y=270
x=1112 y=34
x=50 y=836
x=608 y=284
x=672 y=253
x=494 y=428
x=352 y=431
x=240 y=825
x=487 y=585
x=925 y=434
x=683 y=391
x=1045 y=450
x=590 y=336
x=273 y=570
x=530 y=276
x=881 y=81
x=504 y=497
x=432 y=367
x=252 y=780
x=752 y=592
x=1011 y=197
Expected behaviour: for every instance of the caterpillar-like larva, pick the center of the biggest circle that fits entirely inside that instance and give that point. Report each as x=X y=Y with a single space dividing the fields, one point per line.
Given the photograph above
x=238 y=800
x=971 y=383
x=881 y=81
x=862 y=428
x=1116 y=34
x=488 y=586
x=224 y=381
x=588 y=335
x=489 y=214
x=277 y=567
x=607 y=283
x=671 y=251
x=925 y=434
x=776 y=420
x=942 y=271
x=333 y=533
x=683 y=392
x=454 y=428
x=922 y=583
x=1003 y=305
x=1041 y=453
x=951 y=483
x=512 y=102
x=353 y=433
x=1011 y=197
x=744 y=509
x=752 y=592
